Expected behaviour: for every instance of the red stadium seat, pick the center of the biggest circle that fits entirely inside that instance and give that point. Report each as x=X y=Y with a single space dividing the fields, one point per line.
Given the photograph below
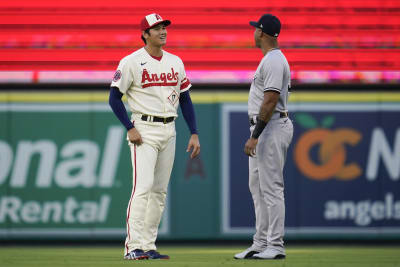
x=357 y=35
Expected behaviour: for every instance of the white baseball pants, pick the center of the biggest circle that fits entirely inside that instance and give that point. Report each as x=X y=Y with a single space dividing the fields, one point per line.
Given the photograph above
x=152 y=165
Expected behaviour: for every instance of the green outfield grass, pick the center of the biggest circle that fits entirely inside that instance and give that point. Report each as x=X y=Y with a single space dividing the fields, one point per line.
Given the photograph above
x=188 y=256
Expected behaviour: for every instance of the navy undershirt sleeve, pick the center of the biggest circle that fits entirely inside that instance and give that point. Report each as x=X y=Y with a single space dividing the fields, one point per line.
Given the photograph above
x=115 y=101
x=188 y=111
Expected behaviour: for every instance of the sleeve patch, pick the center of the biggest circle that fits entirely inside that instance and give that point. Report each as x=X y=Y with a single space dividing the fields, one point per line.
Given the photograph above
x=117 y=76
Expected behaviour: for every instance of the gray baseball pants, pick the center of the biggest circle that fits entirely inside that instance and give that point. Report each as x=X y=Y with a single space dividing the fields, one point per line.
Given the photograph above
x=266 y=183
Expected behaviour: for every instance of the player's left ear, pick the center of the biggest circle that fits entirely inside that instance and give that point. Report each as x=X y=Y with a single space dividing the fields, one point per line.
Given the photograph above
x=268 y=37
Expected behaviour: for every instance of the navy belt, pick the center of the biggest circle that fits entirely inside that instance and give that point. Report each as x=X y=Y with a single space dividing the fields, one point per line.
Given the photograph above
x=281 y=115
x=157 y=119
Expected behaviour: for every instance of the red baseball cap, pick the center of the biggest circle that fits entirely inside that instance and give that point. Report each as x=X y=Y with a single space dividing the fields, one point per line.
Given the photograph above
x=152 y=20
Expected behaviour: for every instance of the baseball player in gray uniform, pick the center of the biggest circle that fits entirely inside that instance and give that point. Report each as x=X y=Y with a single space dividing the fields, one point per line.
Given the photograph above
x=271 y=133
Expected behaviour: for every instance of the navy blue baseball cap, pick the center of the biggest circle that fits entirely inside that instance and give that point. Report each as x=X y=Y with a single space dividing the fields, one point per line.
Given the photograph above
x=269 y=24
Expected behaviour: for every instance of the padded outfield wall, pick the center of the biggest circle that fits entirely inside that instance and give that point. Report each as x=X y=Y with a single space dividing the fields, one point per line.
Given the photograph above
x=65 y=168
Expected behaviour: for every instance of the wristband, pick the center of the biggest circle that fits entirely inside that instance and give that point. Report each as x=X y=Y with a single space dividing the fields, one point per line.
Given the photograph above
x=259 y=128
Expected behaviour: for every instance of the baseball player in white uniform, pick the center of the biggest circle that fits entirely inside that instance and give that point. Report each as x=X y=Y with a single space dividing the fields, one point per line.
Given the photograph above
x=155 y=83
x=271 y=133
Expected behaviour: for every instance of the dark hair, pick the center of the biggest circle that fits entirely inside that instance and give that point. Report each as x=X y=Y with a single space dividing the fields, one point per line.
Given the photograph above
x=146 y=31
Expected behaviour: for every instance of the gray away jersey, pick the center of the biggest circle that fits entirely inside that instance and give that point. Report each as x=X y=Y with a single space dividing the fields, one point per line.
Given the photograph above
x=273 y=74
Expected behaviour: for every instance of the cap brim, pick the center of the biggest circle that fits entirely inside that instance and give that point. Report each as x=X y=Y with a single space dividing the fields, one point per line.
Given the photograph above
x=254 y=24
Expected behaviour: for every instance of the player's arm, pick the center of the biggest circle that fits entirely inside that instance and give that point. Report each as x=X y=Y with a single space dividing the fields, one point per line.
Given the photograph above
x=272 y=69
x=186 y=105
x=118 y=107
x=267 y=108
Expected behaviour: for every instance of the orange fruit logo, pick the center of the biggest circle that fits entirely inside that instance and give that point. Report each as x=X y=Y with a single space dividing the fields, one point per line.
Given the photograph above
x=331 y=153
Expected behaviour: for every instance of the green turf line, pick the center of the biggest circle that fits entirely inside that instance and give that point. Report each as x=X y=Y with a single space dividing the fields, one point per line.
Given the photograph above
x=196 y=256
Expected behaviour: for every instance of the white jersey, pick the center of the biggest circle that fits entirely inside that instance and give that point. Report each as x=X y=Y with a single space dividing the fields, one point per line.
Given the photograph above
x=152 y=86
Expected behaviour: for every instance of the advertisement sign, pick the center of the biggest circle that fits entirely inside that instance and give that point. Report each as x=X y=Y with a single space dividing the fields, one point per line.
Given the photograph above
x=341 y=175
x=65 y=171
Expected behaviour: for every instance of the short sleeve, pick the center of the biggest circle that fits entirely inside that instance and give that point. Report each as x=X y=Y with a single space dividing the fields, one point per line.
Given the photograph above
x=273 y=71
x=184 y=81
x=123 y=77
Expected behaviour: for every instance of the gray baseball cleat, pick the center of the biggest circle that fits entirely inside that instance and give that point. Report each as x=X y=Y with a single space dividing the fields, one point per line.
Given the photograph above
x=270 y=254
x=247 y=254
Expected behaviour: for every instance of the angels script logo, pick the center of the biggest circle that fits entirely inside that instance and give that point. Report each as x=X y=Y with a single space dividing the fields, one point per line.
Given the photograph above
x=162 y=79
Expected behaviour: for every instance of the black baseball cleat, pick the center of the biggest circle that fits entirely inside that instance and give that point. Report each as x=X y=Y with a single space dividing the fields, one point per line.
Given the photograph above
x=155 y=255
x=136 y=254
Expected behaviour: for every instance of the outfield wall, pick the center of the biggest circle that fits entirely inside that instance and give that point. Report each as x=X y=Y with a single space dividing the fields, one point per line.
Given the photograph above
x=65 y=168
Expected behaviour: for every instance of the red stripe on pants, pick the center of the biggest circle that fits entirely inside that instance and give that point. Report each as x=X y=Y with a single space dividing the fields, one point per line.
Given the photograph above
x=130 y=202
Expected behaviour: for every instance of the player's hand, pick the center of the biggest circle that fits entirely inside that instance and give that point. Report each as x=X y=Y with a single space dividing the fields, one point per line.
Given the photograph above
x=194 y=145
x=250 y=147
x=135 y=137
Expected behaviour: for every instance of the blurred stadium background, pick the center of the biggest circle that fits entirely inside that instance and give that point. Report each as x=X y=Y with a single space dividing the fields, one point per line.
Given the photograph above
x=65 y=170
